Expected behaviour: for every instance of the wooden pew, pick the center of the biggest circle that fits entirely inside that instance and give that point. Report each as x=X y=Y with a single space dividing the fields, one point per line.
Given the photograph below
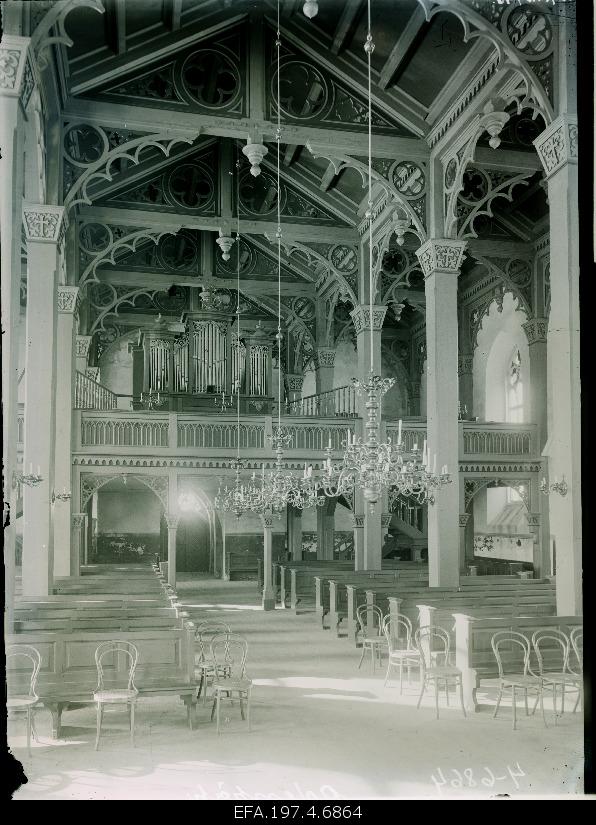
x=284 y=578
x=473 y=652
x=68 y=674
x=243 y=566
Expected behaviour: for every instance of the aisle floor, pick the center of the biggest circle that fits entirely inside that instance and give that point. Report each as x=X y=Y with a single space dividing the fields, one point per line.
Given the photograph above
x=322 y=729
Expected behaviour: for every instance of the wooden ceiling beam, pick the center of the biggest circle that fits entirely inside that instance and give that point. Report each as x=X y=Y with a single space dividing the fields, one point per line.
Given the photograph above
x=345 y=25
x=411 y=31
x=157 y=280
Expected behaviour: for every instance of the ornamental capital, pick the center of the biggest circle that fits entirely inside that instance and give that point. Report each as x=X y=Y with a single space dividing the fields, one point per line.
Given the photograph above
x=444 y=255
x=533 y=519
x=172 y=520
x=43 y=223
x=294 y=382
x=83 y=342
x=536 y=330
x=78 y=519
x=463 y=519
x=357 y=522
x=324 y=357
x=267 y=521
x=68 y=299
x=557 y=145
x=16 y=71
x=92 y=373
x=361 y=317
x=386 y=520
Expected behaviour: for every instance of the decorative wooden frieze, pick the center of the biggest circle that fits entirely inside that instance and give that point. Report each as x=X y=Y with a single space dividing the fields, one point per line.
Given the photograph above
x=68 y=299
x=557 y=145
x=324 y=357
x=43 y=223
x=82 y=344
x=536 y=330
x=441 y=255
x=361 y=317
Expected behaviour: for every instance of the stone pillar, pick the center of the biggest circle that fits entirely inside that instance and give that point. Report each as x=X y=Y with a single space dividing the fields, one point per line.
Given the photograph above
x=16 y=83
x=358 y=526
x=82 y=345
x=44 y=231
x=172 y=520
x=540 y=560
x=466 y=384
x=441 y=260
x=326 y=529
x=77 y=543
x=294 y=526
x=361 y=318
x=557 y=149
x=324 y=360
x=268 y=600
x=68 y=300
x=464 y=559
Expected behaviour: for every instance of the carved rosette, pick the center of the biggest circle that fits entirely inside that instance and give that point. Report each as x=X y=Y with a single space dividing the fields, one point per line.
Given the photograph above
x=465 y=364
x=463 y=519
x=16 y=71
x=43 y=224
x=557 y=145
x=361 y=317
x=68 y=299
x=294 y=382
x=324 y=357
x=536 y=330
x=82 y=344
x=443 y=255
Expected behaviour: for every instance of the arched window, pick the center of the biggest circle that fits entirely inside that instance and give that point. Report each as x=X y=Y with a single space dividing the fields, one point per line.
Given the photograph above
x=514 y=390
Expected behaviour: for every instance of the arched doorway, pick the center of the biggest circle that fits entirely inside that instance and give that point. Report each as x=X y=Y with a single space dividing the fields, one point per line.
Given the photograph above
x=193 y=543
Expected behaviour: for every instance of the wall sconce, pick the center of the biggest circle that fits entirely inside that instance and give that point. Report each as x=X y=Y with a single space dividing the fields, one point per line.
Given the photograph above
x=559 y=487
x=63 y=496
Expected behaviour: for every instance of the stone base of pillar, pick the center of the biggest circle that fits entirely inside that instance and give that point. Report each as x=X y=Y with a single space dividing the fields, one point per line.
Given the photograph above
x=268 y=601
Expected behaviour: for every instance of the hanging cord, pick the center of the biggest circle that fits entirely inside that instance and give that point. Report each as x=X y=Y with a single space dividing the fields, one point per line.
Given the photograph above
x=369 y=48
x=237 y=303
x=278 y=233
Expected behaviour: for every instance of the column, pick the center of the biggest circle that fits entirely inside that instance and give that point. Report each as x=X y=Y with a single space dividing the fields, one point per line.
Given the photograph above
x=15 y=88
x=464 y=559
x=358 y=527
x=172 y=520
x=536 y=333
x=441 y=260
x=77 y=542
x=326 y=530
x=68 y=300
x=44 y=231
x=294 y=524
x=268 y=600
x=466 y=384
x=82 y=345
x=324 y=360
x=557 y=149
x=293 y=384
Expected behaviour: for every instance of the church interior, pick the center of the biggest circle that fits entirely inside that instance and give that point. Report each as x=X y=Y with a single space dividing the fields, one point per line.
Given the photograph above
x=291 y=398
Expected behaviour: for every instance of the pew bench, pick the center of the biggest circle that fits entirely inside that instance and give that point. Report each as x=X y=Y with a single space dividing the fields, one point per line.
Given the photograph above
x=68 y=675
x=241 y=566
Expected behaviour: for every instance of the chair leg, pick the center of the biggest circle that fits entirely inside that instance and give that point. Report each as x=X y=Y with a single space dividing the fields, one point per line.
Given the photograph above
x=373 y=657
x=422 y=686
x=98 y=733
x=213 y=707
x=461 y=696
x=562 y=698
x=29 y=731
x=437 y=697
x=248 y=709
x=513 y=707
x=241 y=708
x=33 y=729
x=555 y=702
x=362 y=656
x=447 y=692
x=387 y=674
x=132 y=724
x=218 y=703
x=499 y=697
x=541 y=697
x=401 y=676
x=526 y=701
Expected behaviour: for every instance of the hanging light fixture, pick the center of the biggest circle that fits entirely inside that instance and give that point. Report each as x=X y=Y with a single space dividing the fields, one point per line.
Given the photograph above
x=255 y=152
x=369 y=463
x=310 y=8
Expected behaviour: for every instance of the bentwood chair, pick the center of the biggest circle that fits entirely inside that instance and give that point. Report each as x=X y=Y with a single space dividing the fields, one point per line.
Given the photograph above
x=18 y=701
x=228 y=656
x=510 y=676
x=204 y=634
x=110 y=693
x=433 y=645
x=402 y=651
x=370 y=623
x=575 y=663
x=552 y=647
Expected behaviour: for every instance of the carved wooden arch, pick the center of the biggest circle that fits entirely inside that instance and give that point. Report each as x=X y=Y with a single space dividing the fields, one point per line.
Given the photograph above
x=159 y=485
x=473 y=485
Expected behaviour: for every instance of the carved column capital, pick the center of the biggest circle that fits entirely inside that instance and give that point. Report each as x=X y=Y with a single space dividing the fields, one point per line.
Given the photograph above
x=68 y=299
x=92 y=373
x=386 y=520
x=43 y=223
x=324 y=357
x=294 y=382
x=443 y=255
x=536 y=330
x=557 y=145
x=82 y=344
x=78 y=519
x=361 y=317
x=534 y=520
x=358 y=522
x=17 y=77
x=172 y=520
x=267 y=521
x=463 y=519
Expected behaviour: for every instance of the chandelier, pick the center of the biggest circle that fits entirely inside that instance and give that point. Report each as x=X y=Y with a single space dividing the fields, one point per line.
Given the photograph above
x=368 y=462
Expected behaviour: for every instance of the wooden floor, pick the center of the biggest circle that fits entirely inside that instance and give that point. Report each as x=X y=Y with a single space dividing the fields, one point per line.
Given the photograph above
x=321 y=730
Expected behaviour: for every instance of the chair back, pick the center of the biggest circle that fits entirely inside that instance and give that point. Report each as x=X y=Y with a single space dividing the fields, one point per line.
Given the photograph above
x=513 y=642
x=29 y=658
x=370 y=619
x=398 y=632
x=204 y=634
x=434 y=646
x=552 y=650
x=115 y=648
x=577 y=644
x=229 y=651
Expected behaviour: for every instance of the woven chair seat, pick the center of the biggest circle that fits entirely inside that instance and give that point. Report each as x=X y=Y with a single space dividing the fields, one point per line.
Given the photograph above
x=232 y=684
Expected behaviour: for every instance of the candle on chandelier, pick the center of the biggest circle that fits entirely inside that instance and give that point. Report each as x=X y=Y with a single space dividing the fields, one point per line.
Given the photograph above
x=305 y=473
x=415 y=446
x=444 y=470
x=38 y=470
x=434 y=464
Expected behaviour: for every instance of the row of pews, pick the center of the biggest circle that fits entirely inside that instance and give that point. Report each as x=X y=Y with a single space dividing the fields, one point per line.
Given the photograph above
x=469 y=613
x=106 y=602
